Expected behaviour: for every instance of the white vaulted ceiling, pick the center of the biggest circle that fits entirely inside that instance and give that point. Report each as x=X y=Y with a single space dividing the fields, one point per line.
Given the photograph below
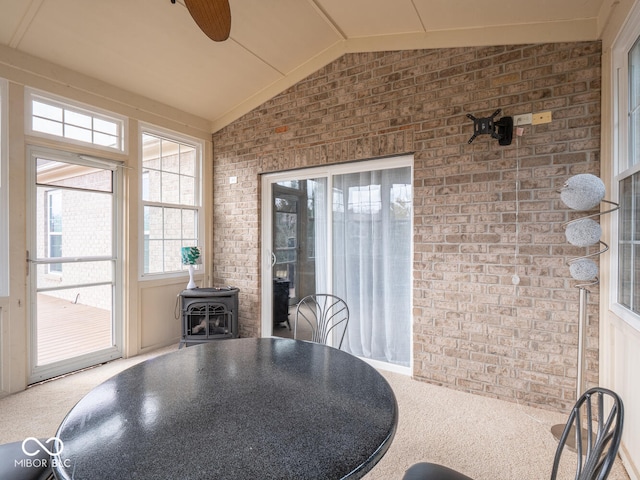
x=154 y=48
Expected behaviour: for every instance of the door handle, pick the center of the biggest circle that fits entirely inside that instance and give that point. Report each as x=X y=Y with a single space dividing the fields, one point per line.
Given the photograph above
x=273 y=259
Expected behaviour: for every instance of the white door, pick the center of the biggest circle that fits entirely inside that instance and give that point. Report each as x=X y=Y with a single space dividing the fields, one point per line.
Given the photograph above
x=73 y=264
x=344 y=229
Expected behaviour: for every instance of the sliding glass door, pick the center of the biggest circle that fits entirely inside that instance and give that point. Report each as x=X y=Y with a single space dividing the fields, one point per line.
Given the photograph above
x=354 y=242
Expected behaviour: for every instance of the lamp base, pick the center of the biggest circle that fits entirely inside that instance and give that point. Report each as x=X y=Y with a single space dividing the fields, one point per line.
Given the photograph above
x=192 y=284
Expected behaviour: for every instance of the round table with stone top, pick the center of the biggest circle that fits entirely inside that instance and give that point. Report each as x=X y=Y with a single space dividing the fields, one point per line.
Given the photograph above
x=252 y=408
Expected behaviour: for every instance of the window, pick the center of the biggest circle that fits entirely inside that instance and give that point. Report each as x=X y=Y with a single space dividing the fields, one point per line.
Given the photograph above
x=74 y=123
x=54 y=229
x=170 y=186
x=629 y=243
x=627 y=66
x=4 y=194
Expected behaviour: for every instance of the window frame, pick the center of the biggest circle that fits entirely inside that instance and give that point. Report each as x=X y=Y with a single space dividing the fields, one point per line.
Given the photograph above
x=66 y=104
x=4 y=189
x=621 y=165
x=199 y=146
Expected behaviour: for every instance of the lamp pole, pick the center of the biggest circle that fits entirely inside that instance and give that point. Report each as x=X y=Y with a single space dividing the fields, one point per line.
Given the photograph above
x=582 y=338
x=557 y=430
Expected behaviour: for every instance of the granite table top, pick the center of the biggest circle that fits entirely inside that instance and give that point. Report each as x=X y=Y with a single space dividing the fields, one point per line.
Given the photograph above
x=252 y=408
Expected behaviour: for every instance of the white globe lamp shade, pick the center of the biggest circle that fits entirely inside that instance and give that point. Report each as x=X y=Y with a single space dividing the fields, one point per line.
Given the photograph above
x=582 y=192
x=583 y=269
x=583 y=232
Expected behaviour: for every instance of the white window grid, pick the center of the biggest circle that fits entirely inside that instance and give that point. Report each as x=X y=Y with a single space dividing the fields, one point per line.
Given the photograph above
x=170 y=185
x=67 y=121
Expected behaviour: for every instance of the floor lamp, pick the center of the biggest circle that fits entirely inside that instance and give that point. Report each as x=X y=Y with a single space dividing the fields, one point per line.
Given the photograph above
x=583 y=192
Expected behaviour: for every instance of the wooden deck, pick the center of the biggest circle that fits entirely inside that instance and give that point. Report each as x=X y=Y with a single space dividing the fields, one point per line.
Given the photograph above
x=67 y=330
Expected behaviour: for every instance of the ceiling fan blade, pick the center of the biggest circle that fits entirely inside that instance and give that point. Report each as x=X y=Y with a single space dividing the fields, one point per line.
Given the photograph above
x=212 y=16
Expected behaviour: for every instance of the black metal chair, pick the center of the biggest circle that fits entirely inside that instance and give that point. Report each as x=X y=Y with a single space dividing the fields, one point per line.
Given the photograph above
x=325 y=314
x=595 y=427
x=15 y=464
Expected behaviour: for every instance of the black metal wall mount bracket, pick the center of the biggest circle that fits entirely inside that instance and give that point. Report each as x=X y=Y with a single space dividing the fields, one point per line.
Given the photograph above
x=502 y=129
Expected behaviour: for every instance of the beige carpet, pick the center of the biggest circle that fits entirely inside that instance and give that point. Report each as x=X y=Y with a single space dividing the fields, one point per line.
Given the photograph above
x=484 y=438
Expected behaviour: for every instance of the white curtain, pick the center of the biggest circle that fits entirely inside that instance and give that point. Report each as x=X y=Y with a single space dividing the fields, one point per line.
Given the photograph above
x=372 y=261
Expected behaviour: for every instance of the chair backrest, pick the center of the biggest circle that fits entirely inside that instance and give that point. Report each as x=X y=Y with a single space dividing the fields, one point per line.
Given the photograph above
x=595 y=424
x=325 y=314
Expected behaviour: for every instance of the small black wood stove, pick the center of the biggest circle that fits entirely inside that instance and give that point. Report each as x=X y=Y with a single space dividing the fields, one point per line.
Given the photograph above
x=209 y=314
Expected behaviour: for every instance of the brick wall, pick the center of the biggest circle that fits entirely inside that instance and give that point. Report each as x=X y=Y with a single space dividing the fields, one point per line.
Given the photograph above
x=473 y=328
